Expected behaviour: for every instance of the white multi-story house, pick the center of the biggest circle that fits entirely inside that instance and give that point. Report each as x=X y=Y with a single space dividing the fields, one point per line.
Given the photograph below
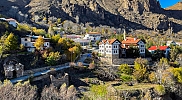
x=29 y=41
x=109 y=48
x=134 y=42
x=93 y=36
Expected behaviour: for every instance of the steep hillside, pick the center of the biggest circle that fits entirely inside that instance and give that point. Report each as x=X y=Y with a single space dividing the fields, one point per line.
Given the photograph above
x=177 y=6
x=132 y=14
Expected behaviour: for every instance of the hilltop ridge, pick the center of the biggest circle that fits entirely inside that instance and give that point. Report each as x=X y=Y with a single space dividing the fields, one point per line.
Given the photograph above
x=132 y=14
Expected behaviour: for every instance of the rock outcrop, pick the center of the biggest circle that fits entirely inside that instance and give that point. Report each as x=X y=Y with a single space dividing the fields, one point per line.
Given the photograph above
x=133 y=14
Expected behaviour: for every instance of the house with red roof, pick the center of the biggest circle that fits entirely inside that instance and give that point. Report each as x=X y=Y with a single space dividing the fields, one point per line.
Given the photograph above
x=165 y=50
x=109 y=48
x=133 y=42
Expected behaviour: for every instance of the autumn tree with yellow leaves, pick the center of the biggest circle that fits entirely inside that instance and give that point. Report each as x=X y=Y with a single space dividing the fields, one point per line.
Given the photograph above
x=39 y=43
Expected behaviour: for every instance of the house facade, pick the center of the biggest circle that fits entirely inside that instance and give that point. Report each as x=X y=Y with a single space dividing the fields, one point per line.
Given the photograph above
x=110 y=48
x=133 y=42
x=165 y=50
x=93 y=36
x=28 y=42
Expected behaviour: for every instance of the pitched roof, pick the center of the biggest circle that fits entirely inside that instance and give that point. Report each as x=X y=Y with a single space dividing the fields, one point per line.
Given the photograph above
x=130 y=40
x=110 y=41
x=93 y=33
x=160 y=48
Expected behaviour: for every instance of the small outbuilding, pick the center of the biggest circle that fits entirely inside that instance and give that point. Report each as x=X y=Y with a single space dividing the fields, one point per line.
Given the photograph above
x=13 y=68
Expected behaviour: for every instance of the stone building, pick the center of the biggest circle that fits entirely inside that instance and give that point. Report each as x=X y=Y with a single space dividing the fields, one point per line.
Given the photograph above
x=13 y=69
x=58 y=80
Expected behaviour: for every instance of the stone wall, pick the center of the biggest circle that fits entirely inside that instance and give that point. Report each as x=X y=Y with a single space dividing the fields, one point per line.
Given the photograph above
x=129 y=61
x=60 y=80
x=120 y=61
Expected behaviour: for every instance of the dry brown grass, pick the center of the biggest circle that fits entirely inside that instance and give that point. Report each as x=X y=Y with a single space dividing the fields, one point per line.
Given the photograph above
x=177 y=6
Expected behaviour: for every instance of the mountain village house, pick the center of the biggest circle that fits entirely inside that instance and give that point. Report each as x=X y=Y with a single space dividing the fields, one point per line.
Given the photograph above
x=114 y=49
x=29 y=41
x=132 y=42
x=93 y=36
x=11 y=21
x=110 y=48
x=165 y=50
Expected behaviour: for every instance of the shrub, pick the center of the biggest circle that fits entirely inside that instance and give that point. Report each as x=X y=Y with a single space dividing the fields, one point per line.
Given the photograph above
x=152 y=77
x=126 y=78
x=99 y=90
x=160 y=89
x=125 y=69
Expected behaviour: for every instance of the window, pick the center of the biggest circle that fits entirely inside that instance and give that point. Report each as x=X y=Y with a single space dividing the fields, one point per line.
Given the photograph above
x=25 y=39
x=47 y=43
x=142 y=50
x=141 y=45
x=25 y=44
x=109 y=46
x=114 y=51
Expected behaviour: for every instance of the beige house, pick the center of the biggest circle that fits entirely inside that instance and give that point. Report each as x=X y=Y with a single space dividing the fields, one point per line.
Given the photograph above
x=29 y=41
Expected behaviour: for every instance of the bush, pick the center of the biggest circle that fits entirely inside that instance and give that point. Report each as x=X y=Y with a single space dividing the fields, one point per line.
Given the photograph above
x=125 y=69
x=99 y=90
x=152 y=77
x=126 y=78
x=160 y=89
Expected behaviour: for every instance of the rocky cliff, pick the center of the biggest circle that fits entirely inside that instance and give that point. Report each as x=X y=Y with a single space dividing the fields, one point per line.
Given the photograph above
x=133 y=14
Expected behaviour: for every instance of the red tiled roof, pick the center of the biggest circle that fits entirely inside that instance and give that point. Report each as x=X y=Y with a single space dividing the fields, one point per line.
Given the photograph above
x=160 y=48
x=111 y=41
x=130 y=40
x=10 y=19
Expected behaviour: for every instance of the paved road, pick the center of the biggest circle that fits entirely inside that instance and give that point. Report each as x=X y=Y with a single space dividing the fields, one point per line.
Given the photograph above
x=23 y=78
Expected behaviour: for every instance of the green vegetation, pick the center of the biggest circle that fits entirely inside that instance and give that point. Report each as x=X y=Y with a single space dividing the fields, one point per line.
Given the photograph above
x=39 y=43
x=160 y=89
x=99 y=90
x=140 y=69
x=11 y=42
x=52 y=58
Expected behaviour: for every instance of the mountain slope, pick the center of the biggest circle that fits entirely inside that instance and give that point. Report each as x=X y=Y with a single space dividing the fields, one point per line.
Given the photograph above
x=133 y=14
x=177 y=6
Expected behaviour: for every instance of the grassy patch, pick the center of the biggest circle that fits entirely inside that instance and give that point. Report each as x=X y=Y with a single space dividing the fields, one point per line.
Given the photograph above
x=135 y=87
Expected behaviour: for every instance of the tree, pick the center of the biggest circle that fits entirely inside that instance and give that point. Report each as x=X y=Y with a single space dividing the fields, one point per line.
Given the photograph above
x=11 y=42
x=64 y=93
x=63 y=43
x=39 y=43
x=52 y=58
x=125 y=69
x=19 y=91
x=2 y=45
x=50 y=30
x=173 y=53
x=140 y=69
x=55 y=38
